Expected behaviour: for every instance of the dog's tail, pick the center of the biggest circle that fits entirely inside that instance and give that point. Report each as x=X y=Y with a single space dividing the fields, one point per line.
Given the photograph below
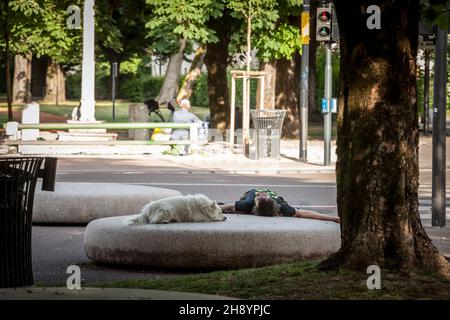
x=136 y=220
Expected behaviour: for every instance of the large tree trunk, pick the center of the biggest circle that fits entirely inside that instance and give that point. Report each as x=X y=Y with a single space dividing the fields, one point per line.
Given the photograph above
x=216 y=61
x=22 y=78
x=194 y=72
x=314 y=113
x=170 y=85
x=8 y=66
x=269 y=85
x=377 y=144
x=55 y=88
x=287 y=91
x=38 y=76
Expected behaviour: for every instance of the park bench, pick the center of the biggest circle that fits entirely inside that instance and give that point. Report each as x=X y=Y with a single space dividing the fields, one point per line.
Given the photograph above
x=12 y=129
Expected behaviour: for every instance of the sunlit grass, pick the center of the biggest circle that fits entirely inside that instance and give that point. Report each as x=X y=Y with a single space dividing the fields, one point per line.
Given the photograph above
x=297 y=281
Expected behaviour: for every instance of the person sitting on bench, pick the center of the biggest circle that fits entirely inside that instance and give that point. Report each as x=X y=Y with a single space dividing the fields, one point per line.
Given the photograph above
x=183 y=116
x=265 y=202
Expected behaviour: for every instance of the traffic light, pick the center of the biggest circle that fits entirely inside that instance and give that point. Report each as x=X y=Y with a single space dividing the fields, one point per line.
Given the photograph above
x=323 y=30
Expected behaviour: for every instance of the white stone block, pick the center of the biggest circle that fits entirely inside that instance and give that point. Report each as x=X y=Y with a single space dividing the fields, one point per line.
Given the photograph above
x=240 y=241
x=82 y=202
x=30 y=115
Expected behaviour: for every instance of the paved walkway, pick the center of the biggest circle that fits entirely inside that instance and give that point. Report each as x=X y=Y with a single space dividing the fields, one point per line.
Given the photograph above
x=49 y=293
x=218 y=158
x=43 y=116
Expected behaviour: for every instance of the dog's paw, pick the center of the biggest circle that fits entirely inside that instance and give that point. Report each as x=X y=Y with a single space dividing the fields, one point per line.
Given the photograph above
x=131 y=221
x=165 y=221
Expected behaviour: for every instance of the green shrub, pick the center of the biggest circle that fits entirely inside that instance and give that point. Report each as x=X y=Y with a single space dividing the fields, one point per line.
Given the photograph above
x=200 y=95
x=151 y=86
x=132 y=87
x=73 y=86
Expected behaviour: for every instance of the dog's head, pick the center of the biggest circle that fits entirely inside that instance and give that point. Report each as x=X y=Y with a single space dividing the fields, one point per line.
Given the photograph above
x=213 y=211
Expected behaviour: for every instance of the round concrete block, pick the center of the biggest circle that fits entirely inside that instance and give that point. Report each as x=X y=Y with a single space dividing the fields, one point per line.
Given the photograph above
x=240 y=241
x=80 y=202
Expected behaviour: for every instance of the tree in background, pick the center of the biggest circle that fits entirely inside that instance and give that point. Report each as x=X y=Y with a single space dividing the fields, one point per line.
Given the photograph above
x=194 y=72
x=60 y=45
x=377 y=144
x=200 y=21
x=277 y=38
x=20 y=21
x=120 y=31
x=217 y=60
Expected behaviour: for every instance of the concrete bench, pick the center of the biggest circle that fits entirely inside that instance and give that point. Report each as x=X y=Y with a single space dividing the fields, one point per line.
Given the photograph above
x=240 y=241
x=80 y=202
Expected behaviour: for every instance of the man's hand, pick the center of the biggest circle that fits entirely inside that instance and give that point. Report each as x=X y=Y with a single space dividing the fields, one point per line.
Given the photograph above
x=227 y=208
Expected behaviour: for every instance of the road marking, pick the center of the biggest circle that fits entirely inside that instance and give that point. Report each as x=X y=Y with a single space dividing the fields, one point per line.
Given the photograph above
x=235 y=185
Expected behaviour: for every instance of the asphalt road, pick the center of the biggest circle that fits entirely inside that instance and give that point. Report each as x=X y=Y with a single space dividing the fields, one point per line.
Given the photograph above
x=57 y=247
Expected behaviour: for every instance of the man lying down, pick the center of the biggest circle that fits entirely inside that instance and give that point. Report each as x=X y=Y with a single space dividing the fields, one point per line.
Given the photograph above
x=199 y=208
x=265 y=202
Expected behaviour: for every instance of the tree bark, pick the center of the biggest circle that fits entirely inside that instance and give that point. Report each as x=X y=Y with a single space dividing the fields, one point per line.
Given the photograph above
x=61 y=85
x=55 y=89
x=377 y=144
x=194 y=72
x=8 y=66
x=22 y=78
x=269 y=85
x=170 y=85
x=287 y=92
x=216 y=61
x=38 y=75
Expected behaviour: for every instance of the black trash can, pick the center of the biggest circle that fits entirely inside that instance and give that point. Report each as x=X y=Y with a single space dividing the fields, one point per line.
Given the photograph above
x=18 y=178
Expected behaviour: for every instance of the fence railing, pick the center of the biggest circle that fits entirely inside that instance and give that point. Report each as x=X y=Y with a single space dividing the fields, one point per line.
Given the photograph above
x=13 y=127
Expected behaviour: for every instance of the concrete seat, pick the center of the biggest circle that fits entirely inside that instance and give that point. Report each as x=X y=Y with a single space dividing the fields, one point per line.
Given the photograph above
x=80 y=202
x=240 y=241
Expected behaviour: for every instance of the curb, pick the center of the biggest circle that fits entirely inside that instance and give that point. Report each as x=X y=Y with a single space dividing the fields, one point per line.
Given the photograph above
x=53 y=293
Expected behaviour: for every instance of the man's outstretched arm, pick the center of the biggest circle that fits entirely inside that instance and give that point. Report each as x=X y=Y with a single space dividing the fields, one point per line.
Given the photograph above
x=227 y=208
x=307 y=214
x=230 y=208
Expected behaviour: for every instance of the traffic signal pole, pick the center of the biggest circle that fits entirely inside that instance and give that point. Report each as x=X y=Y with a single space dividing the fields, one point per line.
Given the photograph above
x=328 y=115
x=304 y=83
x=438 y=213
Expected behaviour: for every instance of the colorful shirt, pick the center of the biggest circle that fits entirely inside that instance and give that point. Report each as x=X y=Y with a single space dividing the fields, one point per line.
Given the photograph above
x=247 y=202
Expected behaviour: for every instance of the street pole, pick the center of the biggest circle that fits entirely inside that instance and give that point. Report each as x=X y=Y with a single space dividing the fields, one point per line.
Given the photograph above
x=304 y=83
x=426 y=94
x=328 y=115
x=113 y=90
x=439 y=119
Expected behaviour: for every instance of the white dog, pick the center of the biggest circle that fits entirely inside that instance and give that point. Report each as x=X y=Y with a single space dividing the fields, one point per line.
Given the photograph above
x=191 y=208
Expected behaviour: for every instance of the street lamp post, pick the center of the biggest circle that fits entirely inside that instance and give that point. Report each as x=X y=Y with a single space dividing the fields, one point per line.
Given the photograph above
x=438 y=213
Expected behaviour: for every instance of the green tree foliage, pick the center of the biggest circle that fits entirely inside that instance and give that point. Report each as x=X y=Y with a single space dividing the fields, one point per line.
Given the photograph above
x=436 y=12
x=186 y=18
x=273 y=36
x=55 y=39
x=21 y=22
x=120 y=29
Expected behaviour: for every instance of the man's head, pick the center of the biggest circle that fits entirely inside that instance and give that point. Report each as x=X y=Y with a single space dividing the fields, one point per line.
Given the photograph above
x=265 y=205
x=185 y=104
